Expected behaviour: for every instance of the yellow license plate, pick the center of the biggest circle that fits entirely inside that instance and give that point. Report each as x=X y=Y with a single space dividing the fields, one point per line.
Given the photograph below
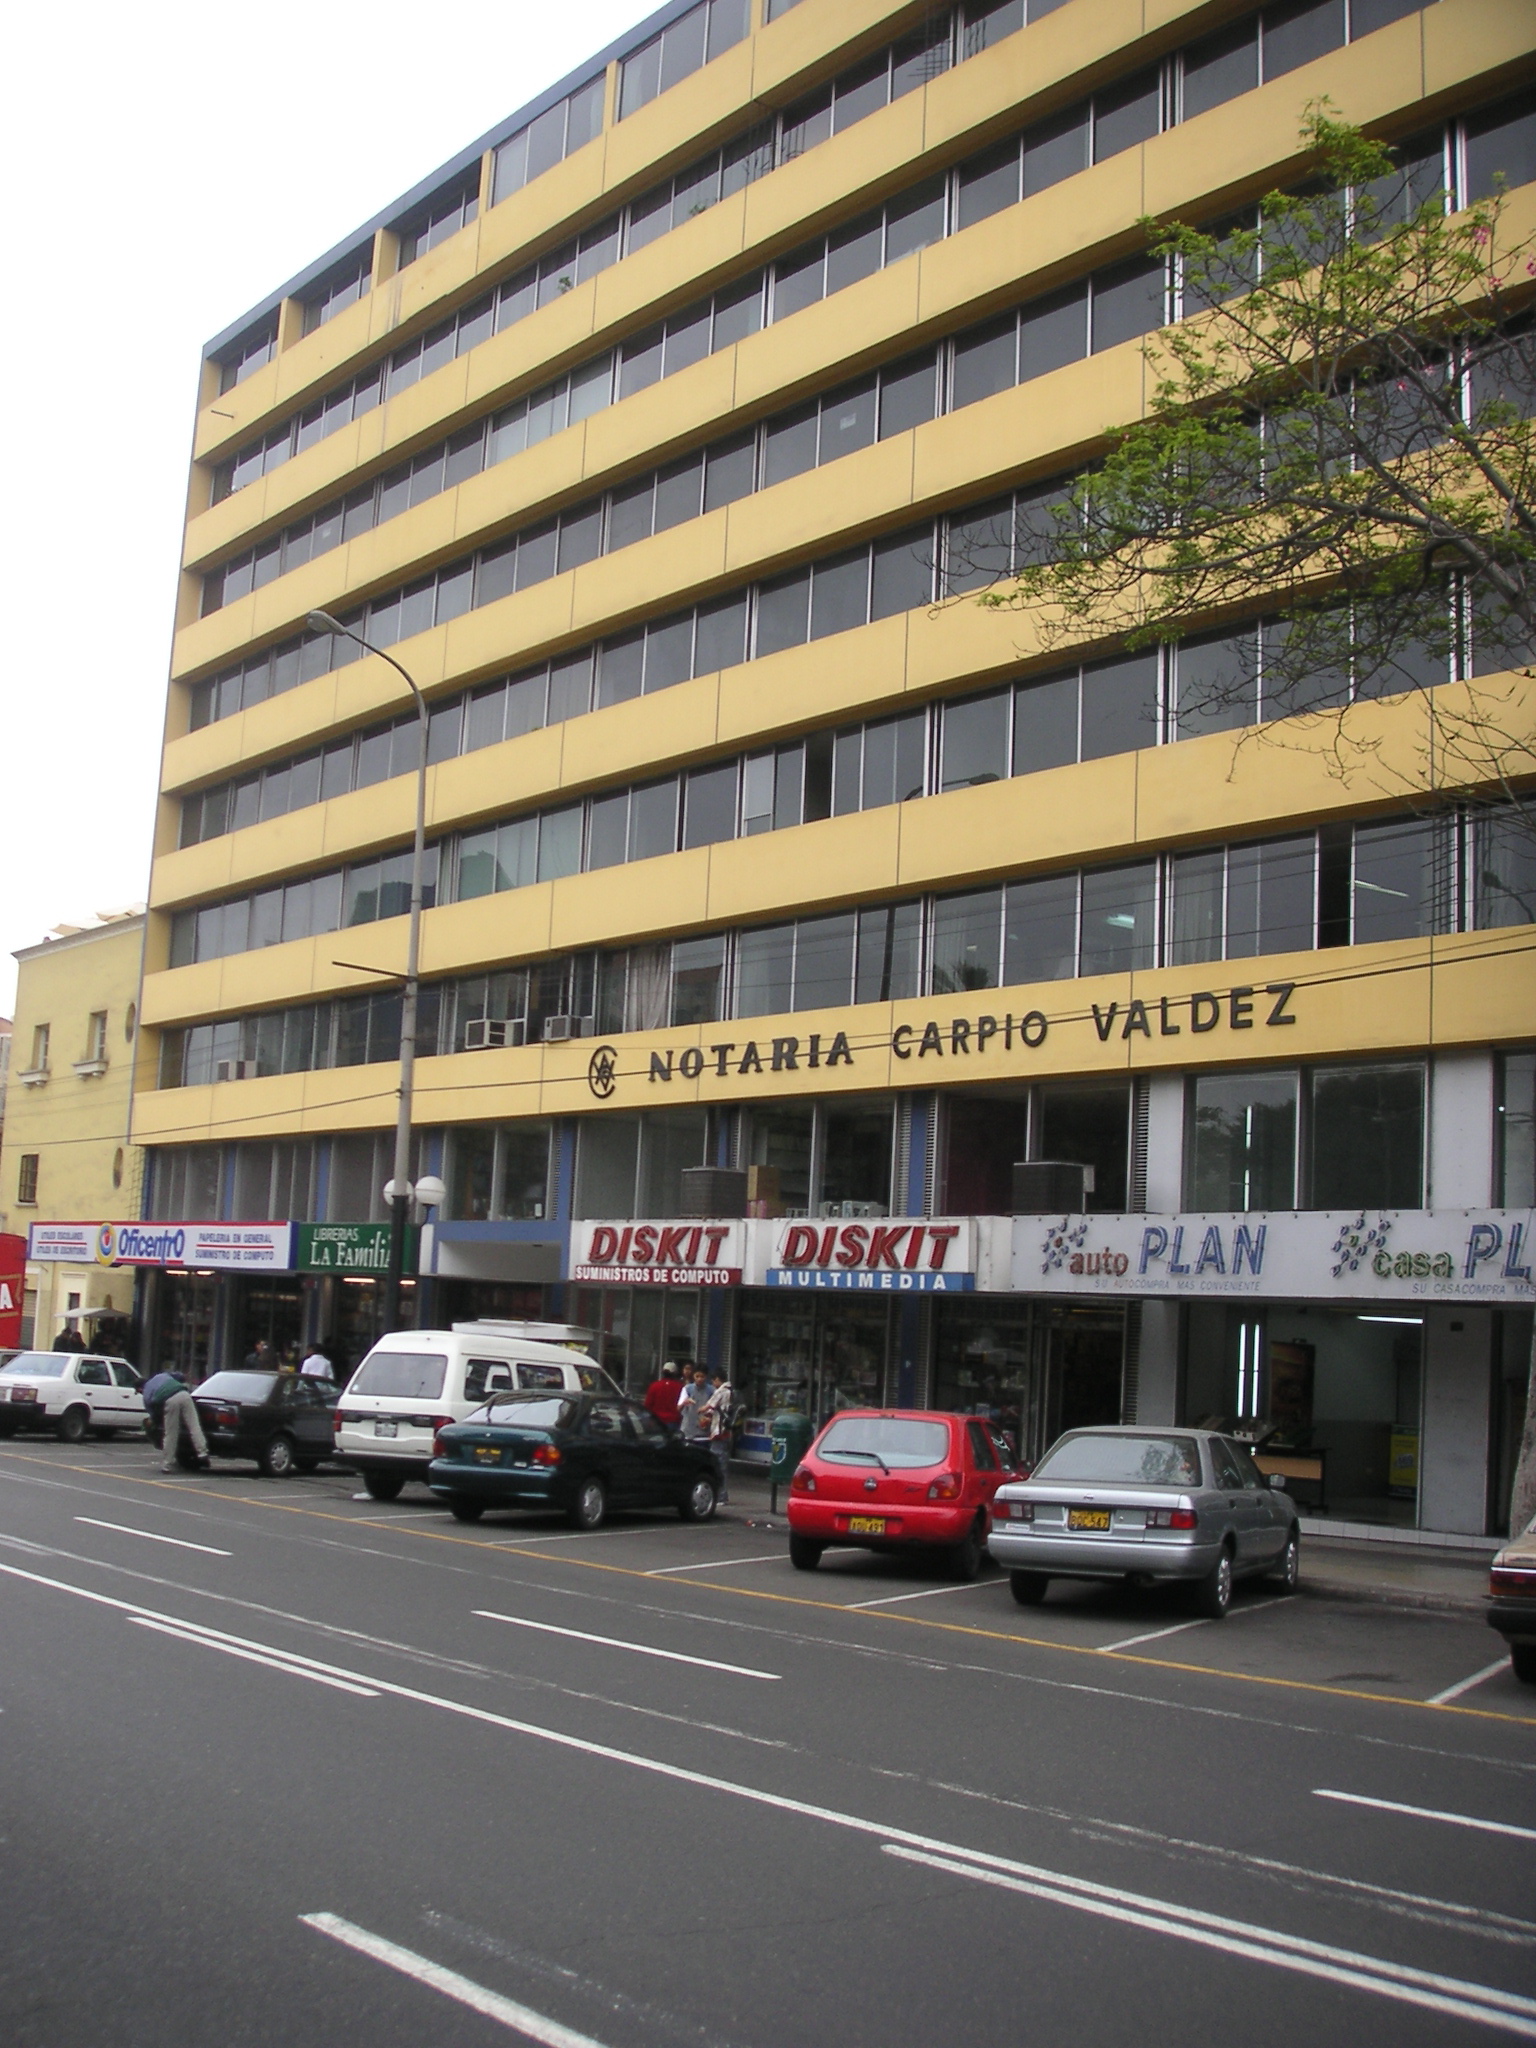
x=1088 y=1518
x=866 y=1525
x=487 y=1454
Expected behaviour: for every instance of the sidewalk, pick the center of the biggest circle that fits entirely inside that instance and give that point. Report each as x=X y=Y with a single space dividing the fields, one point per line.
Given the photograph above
x=1449 y=1580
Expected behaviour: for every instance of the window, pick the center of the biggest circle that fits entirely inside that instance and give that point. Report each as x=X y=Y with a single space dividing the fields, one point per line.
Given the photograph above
x=96 y=1036
x=557 y=133
x=349 y=281
x=251 y=352
x=1517 y=1130
x=692 y=40
x=453 y=206
x=26 y=1178
x=40 y=1048
x=1243 y=1142
x=1367 y=1137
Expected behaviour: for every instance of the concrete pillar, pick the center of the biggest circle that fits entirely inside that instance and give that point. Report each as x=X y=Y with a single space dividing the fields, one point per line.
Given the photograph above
x=1157 y=1380
x=1461 y=1131
x=1165 y=1148
x=1454 y=1438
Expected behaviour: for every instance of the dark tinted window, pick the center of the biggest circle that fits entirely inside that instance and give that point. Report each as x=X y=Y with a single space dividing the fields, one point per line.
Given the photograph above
x=240 y=1386
x=401 y=1375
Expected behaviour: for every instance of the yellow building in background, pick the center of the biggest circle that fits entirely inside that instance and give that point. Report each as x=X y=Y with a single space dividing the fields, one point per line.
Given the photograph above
x=783 y=902
x=66 y=1154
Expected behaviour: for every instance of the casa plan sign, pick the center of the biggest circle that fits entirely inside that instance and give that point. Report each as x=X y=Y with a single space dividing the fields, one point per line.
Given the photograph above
x=1465 y=1255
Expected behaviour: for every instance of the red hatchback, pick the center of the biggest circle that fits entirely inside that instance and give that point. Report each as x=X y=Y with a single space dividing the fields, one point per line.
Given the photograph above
x=885 y=1478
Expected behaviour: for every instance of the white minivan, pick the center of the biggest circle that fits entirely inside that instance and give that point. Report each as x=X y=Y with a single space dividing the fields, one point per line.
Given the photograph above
x=414 y=1381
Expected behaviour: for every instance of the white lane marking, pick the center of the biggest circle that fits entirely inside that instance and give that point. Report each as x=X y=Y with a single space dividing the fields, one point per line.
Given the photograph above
x=576 y=1536
x=928 y=1592
x=1454 y=1692
x=890 y=1838
x=274 y=1661
x=718 y=1564
x=1450 y=1995
x=1460 y=1820
x=548 y=2033
x=1177 y=1628
x=150 y=1536
x=580 y=1635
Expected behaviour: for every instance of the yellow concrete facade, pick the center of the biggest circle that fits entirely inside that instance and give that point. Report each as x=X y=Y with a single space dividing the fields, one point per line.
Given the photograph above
x=67 y=1110
x=1425 y=67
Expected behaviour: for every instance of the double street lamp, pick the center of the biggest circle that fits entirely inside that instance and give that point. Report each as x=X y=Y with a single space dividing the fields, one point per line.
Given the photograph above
x=399 y=1192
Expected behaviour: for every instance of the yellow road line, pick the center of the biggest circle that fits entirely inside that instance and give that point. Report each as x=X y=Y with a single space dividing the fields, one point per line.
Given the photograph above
x=957 y=1628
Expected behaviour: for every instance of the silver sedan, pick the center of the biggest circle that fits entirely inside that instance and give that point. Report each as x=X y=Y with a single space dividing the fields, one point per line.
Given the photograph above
x=1146 y=1504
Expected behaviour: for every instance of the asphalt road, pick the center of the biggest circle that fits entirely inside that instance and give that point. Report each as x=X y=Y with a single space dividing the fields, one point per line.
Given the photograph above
x=282 y=1765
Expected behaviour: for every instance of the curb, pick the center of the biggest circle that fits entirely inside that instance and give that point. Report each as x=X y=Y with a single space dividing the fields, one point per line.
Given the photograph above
x=1392 y=1596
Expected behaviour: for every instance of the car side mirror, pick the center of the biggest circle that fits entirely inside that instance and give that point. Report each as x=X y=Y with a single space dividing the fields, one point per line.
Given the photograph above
x=1277 y=1481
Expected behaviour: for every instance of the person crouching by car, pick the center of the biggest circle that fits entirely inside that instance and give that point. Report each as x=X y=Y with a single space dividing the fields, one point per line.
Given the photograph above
x=663 y=1395
x=168 y=1404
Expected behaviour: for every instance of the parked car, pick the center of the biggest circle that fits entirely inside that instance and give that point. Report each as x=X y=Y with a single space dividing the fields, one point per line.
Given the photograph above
x=581 y=1453
x=70 y=1393
x=889 y=1478
x=1146 y=1504
x=1512 y=1602
x=414 y=1382
x=281 y=1419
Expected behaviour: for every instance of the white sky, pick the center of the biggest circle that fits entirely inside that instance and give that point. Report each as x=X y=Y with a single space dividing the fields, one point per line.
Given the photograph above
x=168 y=166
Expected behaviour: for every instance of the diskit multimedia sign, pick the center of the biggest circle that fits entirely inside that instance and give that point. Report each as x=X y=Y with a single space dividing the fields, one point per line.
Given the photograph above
x=886 y=1255
x=660 y=1253
x=226 y=1247
x=1465 y=1255
x=350 y=1247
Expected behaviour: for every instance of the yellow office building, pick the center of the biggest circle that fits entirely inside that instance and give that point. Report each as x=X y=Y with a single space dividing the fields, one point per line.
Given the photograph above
x=783 y=901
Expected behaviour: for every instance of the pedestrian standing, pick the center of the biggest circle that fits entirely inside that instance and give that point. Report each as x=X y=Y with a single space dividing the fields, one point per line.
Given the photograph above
x=316 y=1365
x=694 y=1395
x=262 y=1358
x=167 y=1401
x=663 y=1395
x=715 y=1417
x=69 y=1339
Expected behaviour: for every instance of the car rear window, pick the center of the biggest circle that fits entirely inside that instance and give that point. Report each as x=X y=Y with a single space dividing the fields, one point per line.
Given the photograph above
x=37 y=1365
x=1123 y=1460
x=892 y=1439
x=401 y=1375
x=239 y=1386
x=527 y=1411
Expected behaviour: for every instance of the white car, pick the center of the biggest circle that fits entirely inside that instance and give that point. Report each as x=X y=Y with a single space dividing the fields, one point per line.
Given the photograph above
x=70 y=1393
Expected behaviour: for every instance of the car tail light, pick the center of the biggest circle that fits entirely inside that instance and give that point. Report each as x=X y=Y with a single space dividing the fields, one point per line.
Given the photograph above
x=546 y=1454
x=227 y=1418
x=439 y=1448
x=1512 y=1578
x=1171 y=1518
x=437 y=1422
x=945 y=1487
x=804 y=1480
x=1019 y=1510
x=23 y=1393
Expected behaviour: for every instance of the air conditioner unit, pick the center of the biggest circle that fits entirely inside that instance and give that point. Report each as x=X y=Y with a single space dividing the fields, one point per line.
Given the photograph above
x=1044 y=1187
x=853 y=1209
x=558 y=1028
x=234 y=1070
x=483 y=1032
x=713 y=1191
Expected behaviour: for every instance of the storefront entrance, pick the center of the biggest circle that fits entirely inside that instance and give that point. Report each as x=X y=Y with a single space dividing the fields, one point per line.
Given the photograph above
x=637 y=1329
x=813 y=1353
x=1034 y=1367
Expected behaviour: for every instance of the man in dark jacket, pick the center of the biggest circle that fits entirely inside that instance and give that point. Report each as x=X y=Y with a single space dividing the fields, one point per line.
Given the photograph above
x=167 y=1401
x=69 y=1339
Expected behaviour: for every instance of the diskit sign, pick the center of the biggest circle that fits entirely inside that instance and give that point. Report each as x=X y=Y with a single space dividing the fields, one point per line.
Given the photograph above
x=889 y=1255
x=1466 y=1255
x=659 y=1254
x=227 y=1247
x=13 y=1287
x=350 y=1248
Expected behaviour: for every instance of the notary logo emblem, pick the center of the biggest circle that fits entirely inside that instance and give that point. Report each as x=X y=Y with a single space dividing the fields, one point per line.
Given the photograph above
x=602 y=1072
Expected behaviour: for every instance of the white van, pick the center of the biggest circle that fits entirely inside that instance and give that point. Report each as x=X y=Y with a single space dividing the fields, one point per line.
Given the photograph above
x=414 y=1381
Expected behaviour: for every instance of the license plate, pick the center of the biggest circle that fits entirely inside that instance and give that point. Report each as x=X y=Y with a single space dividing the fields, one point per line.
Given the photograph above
x=1088 y=1518
x=487 y=1454
x=386 y=1429
x=866 y=1525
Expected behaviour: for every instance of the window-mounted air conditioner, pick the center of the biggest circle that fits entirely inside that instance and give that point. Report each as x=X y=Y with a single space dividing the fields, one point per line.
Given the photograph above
x=483 y=1032
x=234 y=1070
x=853 y=1209
x=558 y=1028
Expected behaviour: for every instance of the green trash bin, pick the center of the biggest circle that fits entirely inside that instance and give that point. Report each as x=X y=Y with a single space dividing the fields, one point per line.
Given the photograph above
x=791 y=1434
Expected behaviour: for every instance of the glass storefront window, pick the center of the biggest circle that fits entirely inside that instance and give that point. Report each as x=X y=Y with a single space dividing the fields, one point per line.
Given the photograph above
x=856 y=1154
x=984 y=1135
x=1090 y=1123
x=781 y=1139
x=1243 y=1142
x=523 y=1171
x=813 y=1356
x=1368 y=1137
x=1517 y=1130
x=1035 y=1368
x=473 y=1153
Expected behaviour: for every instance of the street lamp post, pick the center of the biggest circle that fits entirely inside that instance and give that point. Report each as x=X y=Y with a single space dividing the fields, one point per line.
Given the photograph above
x=399 y=1190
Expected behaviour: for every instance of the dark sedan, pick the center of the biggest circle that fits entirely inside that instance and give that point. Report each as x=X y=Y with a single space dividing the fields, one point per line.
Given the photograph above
x=580 y=1453
x=281 y=1419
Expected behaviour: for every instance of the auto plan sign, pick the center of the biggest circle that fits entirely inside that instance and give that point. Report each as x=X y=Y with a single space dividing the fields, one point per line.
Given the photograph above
x=889 y=1255
x=659 y=1254
x=1466 y=1255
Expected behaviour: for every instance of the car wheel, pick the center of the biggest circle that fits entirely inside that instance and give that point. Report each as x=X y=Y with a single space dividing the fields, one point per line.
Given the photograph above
x=804 y=1555
x=1287 y=1571
x=590 y=1507
x=466 y=1510
x=1213 y=1593
x=384 y=1485
x=1522 y=1661
x=964 y=1558
x=74 y=1425
x=276 y=1458
x=699 y=1504
x=1028 y=1588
